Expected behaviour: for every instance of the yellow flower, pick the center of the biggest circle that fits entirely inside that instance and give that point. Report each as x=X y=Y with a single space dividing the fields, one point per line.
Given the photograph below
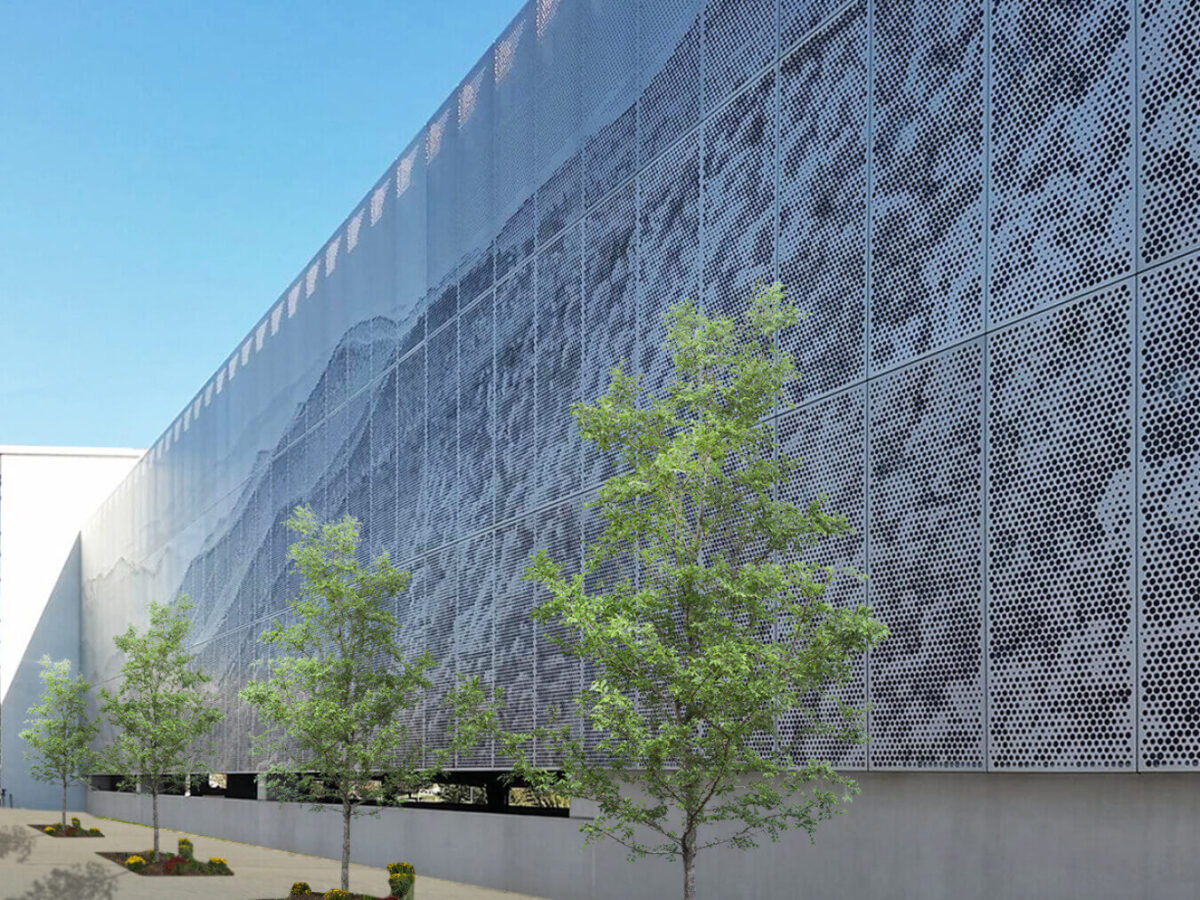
x=217 y=861
x=49 y=829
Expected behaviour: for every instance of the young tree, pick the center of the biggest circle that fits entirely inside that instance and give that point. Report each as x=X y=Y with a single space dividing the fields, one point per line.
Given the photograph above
x=159 y=710
x=335 y=698
x=718 y=626
x=59 y=732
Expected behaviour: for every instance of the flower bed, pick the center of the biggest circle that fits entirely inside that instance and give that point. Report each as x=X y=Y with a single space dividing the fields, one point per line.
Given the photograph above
x=401 y=880
x=75 y=829
x=183 y=862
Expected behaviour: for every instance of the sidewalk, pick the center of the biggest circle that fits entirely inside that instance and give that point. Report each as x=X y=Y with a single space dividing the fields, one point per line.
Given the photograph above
x=38 y=867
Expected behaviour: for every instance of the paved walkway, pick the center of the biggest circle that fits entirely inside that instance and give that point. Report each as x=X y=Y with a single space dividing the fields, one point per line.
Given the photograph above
x=38 y=867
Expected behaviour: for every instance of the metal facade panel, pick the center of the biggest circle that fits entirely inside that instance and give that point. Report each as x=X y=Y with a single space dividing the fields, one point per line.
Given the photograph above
x=1060 y=537
x=668 y=250
x=738 y=233
x=558 y=354
x=838 y=421
x=514 y=653
x=824 y=92
x=558 y=88
x=926 y=195
x=477 y=423
x=924 y=178
x=557 y=673
x=475 y=626
x=435 y=578
x=609 y=62
x=609 y=305
x=1061 y=199
x=739 y=41
x=799 y=18
x=516 y=393
x=669 y=104
x=926 y=584
x=1168 y=128
x=410 y=452
x=475 y=144
x=1169 y=515
x=440 y=485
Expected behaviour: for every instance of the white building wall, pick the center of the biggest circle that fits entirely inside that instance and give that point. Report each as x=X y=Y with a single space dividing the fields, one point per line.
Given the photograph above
x=45 y=496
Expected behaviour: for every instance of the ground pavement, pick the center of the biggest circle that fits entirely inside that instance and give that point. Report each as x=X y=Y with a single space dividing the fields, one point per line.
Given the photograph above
x=38 y=867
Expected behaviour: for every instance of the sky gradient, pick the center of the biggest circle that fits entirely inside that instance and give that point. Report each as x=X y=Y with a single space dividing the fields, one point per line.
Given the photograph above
x=167 y=168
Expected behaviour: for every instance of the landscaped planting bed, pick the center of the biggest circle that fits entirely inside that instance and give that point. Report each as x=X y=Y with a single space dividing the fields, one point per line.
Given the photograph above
x=75 y=829
x=142 y=862
x=402 y=881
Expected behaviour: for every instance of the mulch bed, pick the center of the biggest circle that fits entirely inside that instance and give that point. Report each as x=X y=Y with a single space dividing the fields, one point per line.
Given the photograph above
x=69 y=833
x=154 y=868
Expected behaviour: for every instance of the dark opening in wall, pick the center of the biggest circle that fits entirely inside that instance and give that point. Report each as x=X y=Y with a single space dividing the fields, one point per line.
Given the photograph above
x=104 y=782
x=241 y=786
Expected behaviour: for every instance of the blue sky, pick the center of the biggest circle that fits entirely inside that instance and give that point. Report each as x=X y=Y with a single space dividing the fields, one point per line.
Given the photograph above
x=166 y=168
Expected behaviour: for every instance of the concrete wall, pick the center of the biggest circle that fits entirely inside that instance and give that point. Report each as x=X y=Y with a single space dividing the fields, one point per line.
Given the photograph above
x=45 y=496
x=925 y=836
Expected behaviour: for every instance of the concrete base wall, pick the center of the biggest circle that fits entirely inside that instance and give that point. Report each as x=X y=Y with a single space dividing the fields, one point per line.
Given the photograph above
x=909 y=835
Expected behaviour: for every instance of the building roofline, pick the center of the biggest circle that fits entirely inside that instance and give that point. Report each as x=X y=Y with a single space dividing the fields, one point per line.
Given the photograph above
x=31 y=450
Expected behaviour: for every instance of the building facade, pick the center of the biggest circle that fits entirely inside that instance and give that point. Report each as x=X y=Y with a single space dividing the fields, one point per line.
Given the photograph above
x=990 y=212
x=46 y=495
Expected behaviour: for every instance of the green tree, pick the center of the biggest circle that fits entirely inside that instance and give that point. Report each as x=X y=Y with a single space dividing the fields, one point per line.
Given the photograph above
x=160 y=711
x=335 y=698
x=697 y=612
x=59 y=732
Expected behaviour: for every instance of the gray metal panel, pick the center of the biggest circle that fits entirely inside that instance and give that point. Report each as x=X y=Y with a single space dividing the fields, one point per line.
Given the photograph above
x=927 y=178
x=668 y=250
x=798 y=18
x=435 y=578
x=559 y=352
x=474 y=626
x=1168 y=128
x=474 y=121
x=609 y=304
x=739 y=40
x=1019 y=156
x=557 y=82
x=516 y=393
x=1060 y=537
x=839 y=421
x=410 y=451
x=1061 y=200
x=609 y=73
x=739 y=196
x=514 y=650
x=1169 y=514
x=823 y=201
x=557 y=673
x=439 y=507
x=477 y=422
x=926 y=585
x=669 y=38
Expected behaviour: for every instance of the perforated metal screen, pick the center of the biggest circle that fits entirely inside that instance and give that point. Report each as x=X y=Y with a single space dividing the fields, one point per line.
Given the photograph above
x=989 y=211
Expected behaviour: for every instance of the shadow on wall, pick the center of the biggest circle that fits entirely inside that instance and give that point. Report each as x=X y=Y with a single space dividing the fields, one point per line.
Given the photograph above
x=57 y=635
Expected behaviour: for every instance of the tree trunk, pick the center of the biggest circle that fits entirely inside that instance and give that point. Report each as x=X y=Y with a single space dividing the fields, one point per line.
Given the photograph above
x=64 y=809
x=154 y=807
x=346 y=809
x=689 y=866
